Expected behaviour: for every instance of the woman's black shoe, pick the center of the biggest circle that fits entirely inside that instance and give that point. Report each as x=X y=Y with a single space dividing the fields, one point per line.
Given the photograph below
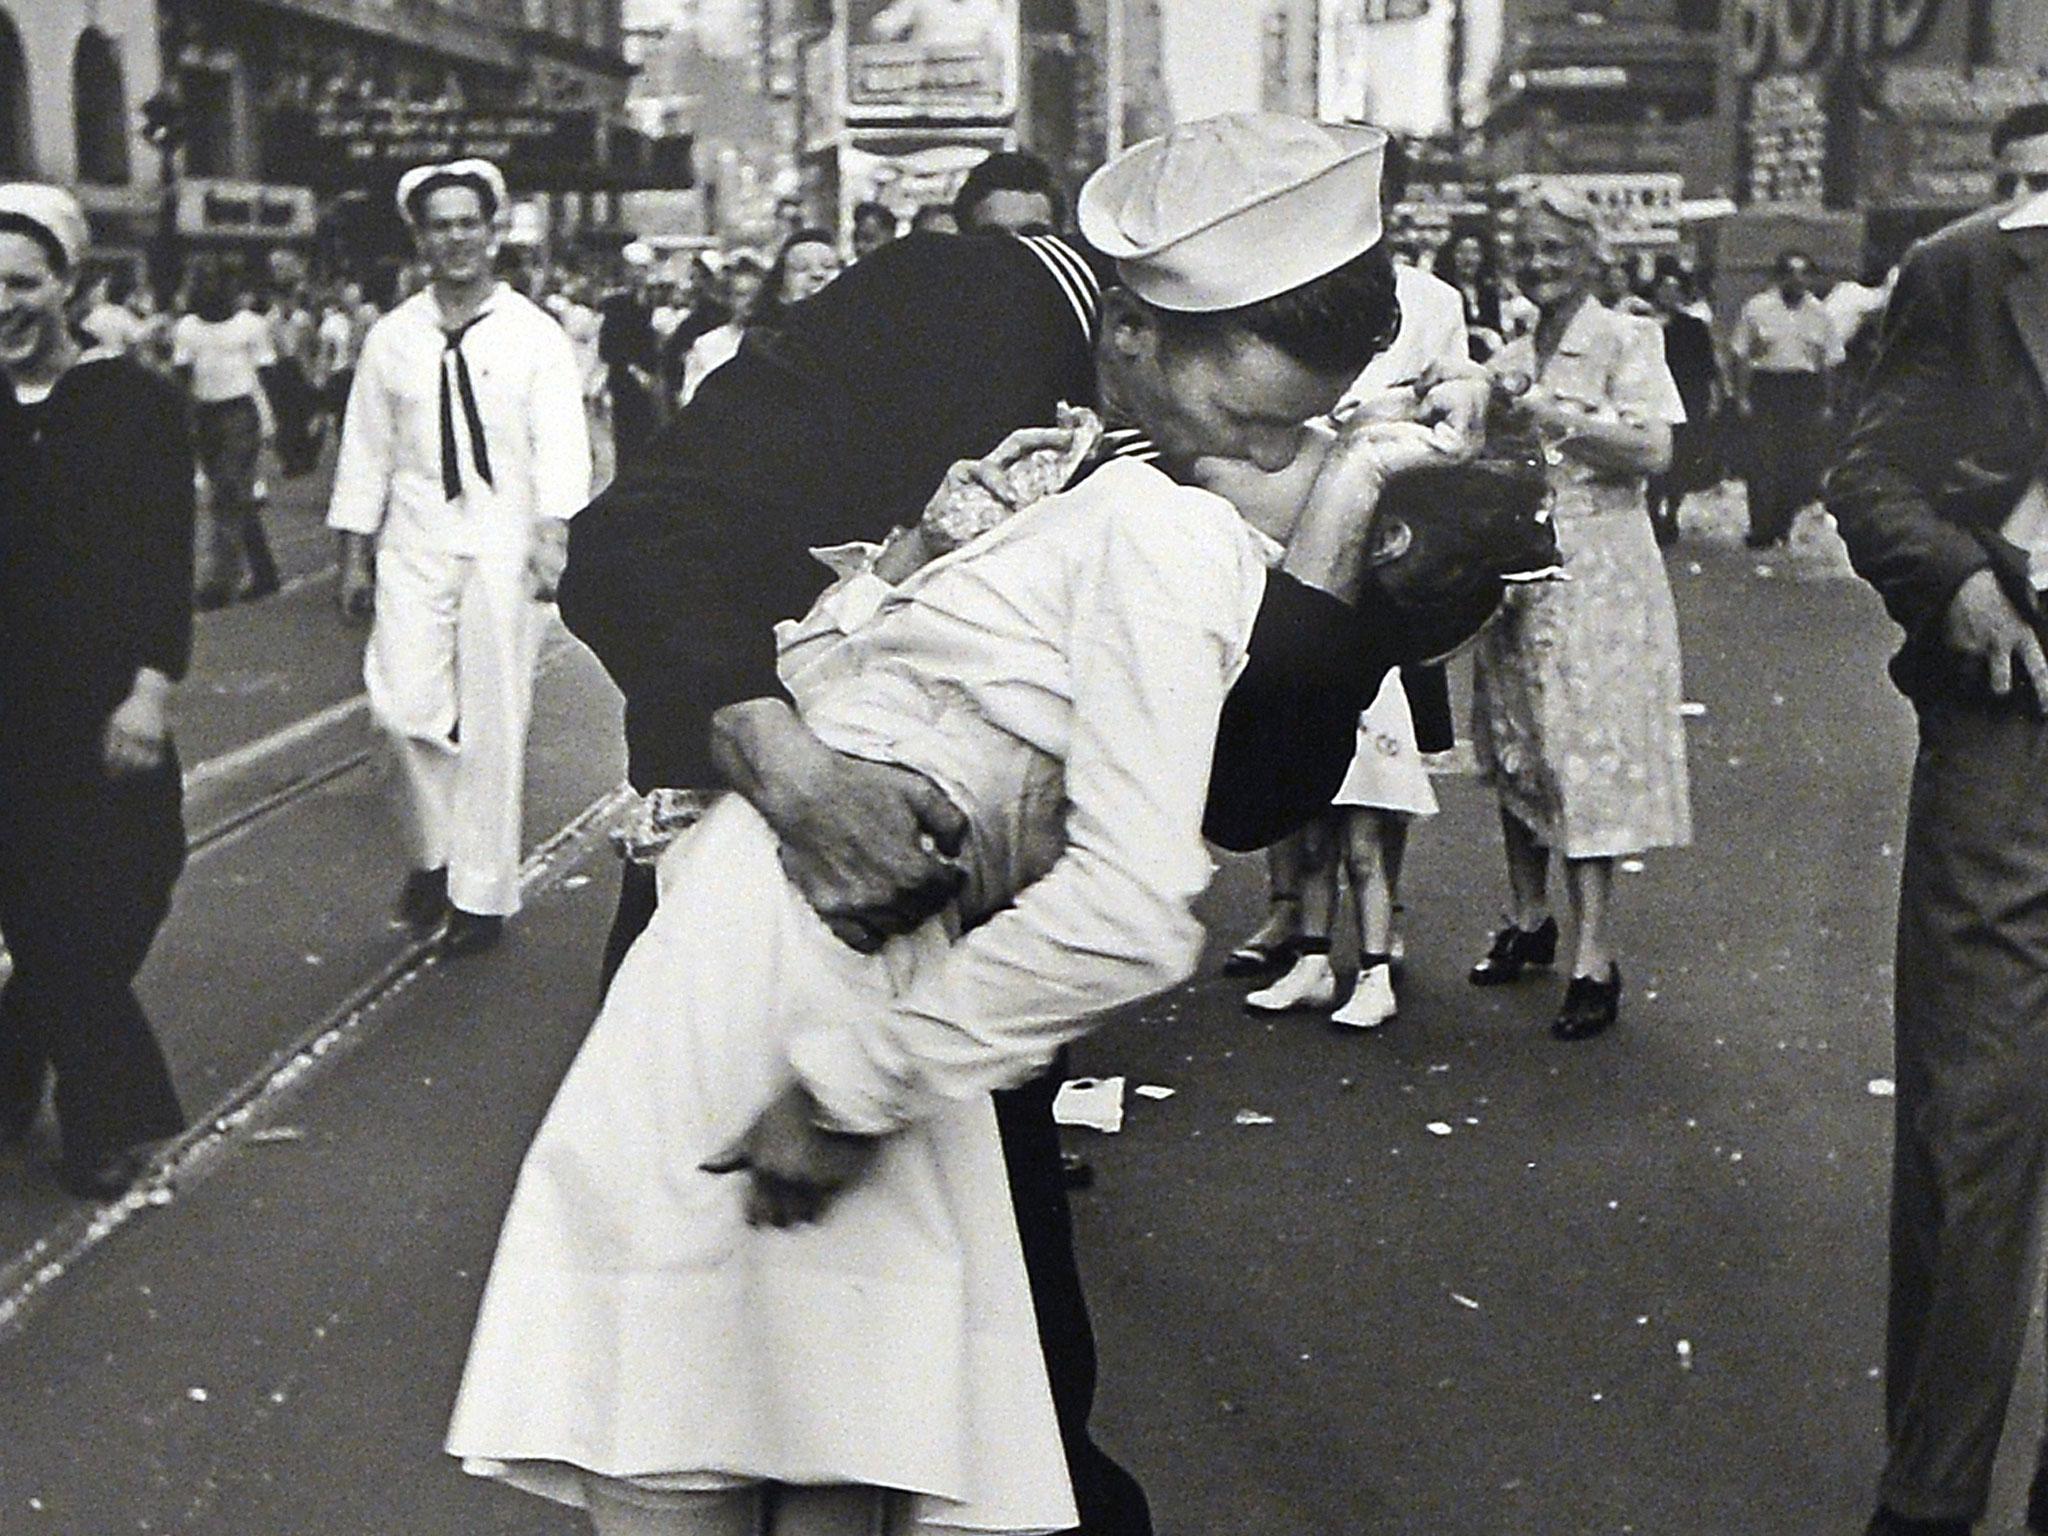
x=1515 y=950
x=1253 y=960
x=1590 y=1006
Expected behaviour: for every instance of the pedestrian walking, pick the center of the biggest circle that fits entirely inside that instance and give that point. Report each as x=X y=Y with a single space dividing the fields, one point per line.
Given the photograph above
x=1781 y=363
x=808 y=260
x=874 y=226
x=464 y=457
x=288 y=381
x=1941 y=497
x=1576 y=692
x=744 y=279
x=1690 y=354
x=1465 y=263
x=1077 y=644
x=219 y=351
x=95 y=632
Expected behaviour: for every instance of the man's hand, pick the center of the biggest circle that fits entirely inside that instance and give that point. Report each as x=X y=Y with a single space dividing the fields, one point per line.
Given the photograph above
x=139 y=728
x=1982 y=621
x=798 y=1167
x=356 y=595
x=547 y=556
x=870 y=846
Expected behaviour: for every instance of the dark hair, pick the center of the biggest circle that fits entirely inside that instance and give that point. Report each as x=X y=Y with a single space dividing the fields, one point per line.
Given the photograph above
x=2027 y=122
x=1334 y=323
x=928 y=214
x=1008 y=170
x=213 y=293
x=874 y=210
x=770 y=307
x=52 y=247
x=416 y=199
x=1445 y=262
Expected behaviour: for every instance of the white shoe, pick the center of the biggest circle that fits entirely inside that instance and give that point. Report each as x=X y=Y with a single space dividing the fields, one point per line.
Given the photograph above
x=1309 y=983
x=1371 y=1002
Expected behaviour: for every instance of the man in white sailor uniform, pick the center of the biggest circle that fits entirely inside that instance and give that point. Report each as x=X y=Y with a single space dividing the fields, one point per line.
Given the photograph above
x=464 y=456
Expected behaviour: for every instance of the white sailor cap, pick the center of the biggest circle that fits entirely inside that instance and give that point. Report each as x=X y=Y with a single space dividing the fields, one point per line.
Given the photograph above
x=485 y=177
x=1227 y=211
x=52 y=211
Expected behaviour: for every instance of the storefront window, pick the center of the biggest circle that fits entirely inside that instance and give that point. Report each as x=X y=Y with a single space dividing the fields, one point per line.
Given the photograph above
x=99 y=107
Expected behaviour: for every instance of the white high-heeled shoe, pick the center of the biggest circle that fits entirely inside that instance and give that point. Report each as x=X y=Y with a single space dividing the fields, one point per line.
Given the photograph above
x=1371 y=1002
x=1308 y=983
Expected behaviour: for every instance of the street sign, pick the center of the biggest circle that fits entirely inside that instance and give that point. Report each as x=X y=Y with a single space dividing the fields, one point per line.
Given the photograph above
x=347 y=144
x=210 y=207
x=949 y=60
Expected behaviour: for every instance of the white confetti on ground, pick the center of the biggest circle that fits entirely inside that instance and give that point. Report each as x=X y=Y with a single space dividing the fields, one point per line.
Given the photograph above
x=575 y=882
x=1152 y=1091
x=1632 y=866
x=1250 y=1117
x=1437 y=1128
x=1692 y=709
x=197 y=1394
x=1685 y=1354
x=1882 y=1088
x=1465 y=1301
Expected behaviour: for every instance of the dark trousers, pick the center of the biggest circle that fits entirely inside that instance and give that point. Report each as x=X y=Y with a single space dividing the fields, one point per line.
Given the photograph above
x=227 y=435
x=293 y=402
x=1110 y=1501
x=1970 y=1162
x=1787 y=449
x=86 y=871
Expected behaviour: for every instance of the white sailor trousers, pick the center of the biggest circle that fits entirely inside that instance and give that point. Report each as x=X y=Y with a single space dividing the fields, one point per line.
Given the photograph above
x=449 y=670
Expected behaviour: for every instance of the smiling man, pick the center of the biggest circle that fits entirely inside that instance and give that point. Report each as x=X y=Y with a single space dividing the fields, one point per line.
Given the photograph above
x=464 y=455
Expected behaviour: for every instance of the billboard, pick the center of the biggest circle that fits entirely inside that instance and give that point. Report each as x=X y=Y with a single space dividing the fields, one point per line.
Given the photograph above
x=946 y=60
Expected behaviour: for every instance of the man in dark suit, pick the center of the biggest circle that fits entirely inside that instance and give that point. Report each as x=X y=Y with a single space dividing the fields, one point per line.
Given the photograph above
x=1942 y=496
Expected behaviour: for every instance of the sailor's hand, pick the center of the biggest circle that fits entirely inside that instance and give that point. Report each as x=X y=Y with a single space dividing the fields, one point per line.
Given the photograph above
x=871 y=851
x=547 y=556
x=1983 y=622
x=797 y=1166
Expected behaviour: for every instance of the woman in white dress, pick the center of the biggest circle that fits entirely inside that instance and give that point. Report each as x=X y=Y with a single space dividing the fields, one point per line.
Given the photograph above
x=644 y=1352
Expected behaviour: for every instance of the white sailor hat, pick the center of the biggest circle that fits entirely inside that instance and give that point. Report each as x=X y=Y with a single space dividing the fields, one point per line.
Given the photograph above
x=480 y=174
x=1227 y=211
x=54 y=212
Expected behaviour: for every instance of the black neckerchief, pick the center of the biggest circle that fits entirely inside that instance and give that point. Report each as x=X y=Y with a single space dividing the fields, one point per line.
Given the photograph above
x=451 y=465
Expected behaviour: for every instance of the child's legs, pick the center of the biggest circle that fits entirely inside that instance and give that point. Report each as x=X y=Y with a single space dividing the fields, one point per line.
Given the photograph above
x=1373 y=841
x=1316 y=845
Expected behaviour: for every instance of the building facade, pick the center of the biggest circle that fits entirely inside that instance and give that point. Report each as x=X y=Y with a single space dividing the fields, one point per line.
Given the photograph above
x=73 y=76
x=1603 y=87
x=1877 y=111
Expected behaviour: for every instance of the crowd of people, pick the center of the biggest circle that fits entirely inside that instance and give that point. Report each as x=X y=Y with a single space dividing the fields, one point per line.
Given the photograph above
x=1194 y=487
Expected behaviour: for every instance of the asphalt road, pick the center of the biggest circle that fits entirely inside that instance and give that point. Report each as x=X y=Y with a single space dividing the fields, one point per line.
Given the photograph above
x=1430 y=1280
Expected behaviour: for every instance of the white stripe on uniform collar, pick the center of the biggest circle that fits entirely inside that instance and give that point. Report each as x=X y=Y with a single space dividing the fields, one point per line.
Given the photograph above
x=1075 y=277
x=1128 y=443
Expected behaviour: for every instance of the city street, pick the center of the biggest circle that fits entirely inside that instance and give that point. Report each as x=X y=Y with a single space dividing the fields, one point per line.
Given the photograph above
x=1452 y=1278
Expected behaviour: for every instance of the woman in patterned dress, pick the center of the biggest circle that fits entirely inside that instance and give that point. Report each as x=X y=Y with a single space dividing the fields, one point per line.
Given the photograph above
x=1576 y=686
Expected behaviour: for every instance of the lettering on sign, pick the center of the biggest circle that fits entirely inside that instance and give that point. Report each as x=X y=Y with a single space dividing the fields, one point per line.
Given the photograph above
x=1801 y=34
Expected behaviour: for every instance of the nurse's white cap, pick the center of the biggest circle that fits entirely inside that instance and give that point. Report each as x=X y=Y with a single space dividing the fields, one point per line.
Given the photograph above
x=471 y=172
x=1227 y=211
